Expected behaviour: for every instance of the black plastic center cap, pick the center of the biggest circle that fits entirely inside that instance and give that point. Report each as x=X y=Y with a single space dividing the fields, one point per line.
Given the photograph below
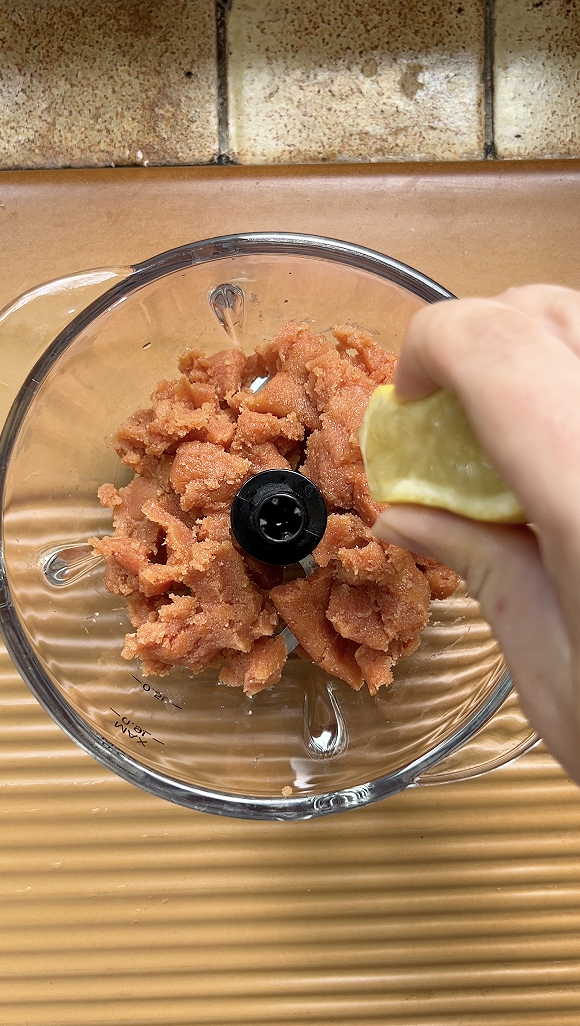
x=278 y=517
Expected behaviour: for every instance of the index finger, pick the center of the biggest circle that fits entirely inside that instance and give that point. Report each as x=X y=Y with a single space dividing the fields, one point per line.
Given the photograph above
x=520 y=388
x=553 y=307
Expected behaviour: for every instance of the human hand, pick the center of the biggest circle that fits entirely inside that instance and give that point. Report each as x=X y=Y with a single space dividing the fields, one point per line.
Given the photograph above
x=514 y=363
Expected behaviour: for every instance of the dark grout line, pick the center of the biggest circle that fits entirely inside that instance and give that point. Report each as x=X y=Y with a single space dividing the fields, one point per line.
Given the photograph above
x=221 y=19
x=489 y=151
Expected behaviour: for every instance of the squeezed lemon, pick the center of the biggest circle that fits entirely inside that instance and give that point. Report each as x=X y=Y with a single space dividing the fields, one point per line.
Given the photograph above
x=425 y=452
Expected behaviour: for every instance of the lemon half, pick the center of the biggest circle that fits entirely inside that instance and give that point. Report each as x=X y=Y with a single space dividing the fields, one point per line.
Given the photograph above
x=425 y=452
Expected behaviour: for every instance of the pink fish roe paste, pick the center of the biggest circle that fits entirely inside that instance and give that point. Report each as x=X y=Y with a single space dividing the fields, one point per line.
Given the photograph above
x=195 y=599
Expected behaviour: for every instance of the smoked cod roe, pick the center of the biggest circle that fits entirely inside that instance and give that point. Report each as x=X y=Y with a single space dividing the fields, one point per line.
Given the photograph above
x=195 y=598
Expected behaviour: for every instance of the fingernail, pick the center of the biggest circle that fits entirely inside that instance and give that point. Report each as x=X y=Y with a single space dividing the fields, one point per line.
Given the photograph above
x=393 y=526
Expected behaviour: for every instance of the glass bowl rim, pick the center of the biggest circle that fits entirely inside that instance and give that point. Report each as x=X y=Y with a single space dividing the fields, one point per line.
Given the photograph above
x=24 y=658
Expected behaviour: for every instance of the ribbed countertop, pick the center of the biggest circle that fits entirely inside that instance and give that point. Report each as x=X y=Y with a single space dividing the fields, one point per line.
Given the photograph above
x=456 y=905
x=450 y=904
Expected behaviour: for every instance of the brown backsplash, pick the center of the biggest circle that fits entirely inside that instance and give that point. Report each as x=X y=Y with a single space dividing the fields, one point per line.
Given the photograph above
x=178 y=82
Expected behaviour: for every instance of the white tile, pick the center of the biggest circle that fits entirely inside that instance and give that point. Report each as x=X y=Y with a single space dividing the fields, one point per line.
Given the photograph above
x=89 y=83
x=537 y=78
x=380 y=80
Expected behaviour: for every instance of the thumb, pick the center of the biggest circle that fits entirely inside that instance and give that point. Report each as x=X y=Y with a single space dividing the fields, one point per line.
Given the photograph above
x=502 y=569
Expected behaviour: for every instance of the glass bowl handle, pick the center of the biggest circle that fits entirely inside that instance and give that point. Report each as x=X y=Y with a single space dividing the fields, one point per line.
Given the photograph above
x=30 y=323
x=505 y=736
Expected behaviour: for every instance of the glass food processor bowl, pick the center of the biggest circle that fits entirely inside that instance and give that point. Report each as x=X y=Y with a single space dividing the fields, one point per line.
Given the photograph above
x=309 y=745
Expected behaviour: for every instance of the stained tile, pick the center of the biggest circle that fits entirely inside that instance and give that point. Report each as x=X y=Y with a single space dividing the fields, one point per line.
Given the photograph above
x=87 y=84
x=537 y=78
x=354 y=80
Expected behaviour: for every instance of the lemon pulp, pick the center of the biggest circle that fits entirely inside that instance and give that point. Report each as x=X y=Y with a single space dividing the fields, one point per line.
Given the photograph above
x=425 y=452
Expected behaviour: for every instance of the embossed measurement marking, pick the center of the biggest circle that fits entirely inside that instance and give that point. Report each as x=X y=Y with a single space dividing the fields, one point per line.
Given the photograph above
x=133 y=730
x=156 y=694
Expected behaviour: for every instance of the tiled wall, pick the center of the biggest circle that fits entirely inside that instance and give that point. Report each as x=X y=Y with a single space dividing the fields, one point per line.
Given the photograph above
x=92 y=83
